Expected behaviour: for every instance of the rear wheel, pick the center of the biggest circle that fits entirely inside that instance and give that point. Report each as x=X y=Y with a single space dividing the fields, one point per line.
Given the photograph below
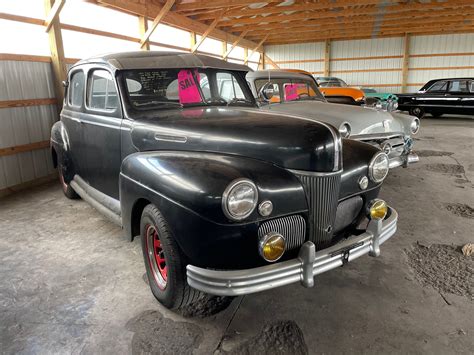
x=164 y=262
x=417 y=111
x=67 y=189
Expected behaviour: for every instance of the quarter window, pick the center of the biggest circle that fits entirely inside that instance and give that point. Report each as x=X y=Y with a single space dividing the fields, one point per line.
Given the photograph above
x=229 y=87
x=102 y=93
x=76 y=89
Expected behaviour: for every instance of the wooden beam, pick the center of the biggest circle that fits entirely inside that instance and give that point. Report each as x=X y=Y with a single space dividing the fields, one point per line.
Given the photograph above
x=172 y=18
x=28 y=184
x=23 y=148
x=143 y=28
x=161 y=14
x=234 y=44
x=327 y=57
x=25 y=58
x=27 y=102
x=53 y=13
x=206 y=4
x=208 y=31
x=24 y=19
x=406 y=62
x=269 y=60
x=256 y=48
x=57 y=54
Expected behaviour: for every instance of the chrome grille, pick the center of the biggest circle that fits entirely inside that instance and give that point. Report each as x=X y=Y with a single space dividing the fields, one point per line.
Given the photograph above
x=293 y=228
x=322 y=192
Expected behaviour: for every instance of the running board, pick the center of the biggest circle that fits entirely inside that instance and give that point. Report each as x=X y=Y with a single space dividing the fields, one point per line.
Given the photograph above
x=106 y=205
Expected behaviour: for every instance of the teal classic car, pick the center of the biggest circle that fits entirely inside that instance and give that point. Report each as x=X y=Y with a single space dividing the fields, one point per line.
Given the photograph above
x=384 y=99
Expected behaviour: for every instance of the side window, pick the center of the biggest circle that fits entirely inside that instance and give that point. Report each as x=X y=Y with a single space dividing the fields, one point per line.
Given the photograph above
x=439 y=86
x=229 y=87
x=76 y=89
x=102 y=92
x=472 y=86
x=458 y=86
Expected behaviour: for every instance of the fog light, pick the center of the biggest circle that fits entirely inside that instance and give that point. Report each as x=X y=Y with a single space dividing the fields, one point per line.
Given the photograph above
x=378 y=209
x=272 y=246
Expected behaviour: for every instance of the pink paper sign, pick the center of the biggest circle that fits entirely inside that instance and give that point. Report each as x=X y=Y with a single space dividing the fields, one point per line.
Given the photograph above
x=291 y=92
x=187 y=88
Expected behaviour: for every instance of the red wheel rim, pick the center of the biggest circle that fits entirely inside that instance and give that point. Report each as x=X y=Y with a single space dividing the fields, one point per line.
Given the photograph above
x=61 y=179
x=156 y=256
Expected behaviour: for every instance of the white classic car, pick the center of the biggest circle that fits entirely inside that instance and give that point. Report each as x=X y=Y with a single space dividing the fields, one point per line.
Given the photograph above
x=298 y=94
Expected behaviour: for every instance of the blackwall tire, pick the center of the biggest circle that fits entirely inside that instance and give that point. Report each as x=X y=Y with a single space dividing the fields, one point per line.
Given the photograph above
x=67 y=189
x=164 y=262
x=417 y=111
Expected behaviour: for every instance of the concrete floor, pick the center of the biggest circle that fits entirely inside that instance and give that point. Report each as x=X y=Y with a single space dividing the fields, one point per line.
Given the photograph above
x=71 y=283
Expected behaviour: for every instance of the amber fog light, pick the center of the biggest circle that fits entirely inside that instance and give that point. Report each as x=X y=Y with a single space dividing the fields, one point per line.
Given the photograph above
x=272 y=246
x=378 y=209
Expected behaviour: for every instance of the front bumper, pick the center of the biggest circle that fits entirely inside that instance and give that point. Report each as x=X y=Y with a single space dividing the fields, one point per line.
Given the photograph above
x=308 y=264
x=403 y=160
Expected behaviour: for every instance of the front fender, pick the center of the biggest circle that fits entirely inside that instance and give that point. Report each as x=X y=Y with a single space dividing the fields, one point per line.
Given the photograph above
x=187 y=187
x=60 y=145
x=405 y=121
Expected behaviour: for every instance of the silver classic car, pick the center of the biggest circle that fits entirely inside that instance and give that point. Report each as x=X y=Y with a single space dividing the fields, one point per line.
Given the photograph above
x=298 y=94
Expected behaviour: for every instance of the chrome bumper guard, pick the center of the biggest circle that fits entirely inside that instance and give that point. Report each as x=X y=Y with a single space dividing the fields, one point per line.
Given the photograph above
x=403 y=160
x=308 y=264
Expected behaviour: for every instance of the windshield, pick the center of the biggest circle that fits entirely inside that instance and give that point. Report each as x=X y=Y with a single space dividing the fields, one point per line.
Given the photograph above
x=165 y=88
x=331 y=82
x=289 y=89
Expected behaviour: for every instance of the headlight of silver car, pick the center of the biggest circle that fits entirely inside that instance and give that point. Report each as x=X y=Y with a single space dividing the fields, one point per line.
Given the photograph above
x=239 y=199
x=345 y=130
x=415 y=126
x=378 y=167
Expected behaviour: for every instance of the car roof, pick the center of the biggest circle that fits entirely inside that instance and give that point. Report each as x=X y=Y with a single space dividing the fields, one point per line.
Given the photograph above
x=264 y=74
x=463 y=78
x=161 y=59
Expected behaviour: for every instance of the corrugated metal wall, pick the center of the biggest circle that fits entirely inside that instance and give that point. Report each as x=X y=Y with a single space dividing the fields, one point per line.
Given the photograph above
x=358 y=62
x=20 y=80
x=463 y=65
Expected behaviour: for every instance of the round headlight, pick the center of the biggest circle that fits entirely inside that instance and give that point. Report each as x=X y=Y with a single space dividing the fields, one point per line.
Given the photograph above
x=239 y=199
x=378 y=168
x=345 y=130
x=415 y=126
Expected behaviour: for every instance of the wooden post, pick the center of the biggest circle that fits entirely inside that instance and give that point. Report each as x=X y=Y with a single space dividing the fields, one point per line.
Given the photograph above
x=163 y=11
x=224 y=49
x=143 y=27
x=193 y=39
x=246 y=55
x=327 y=57
x=57 y=53
x=261 y=62
x=406 y=62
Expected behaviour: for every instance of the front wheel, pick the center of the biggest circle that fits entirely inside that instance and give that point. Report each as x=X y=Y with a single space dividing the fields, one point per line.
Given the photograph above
x=417 y=111
x=67 y=188
x=164 y=262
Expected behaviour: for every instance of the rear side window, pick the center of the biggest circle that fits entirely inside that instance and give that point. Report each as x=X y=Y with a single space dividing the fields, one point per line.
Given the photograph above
x=102 y=92
x=76 y=89
x=459 y=86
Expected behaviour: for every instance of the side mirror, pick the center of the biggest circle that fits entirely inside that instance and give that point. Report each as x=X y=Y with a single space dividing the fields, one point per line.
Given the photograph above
x=266 y=92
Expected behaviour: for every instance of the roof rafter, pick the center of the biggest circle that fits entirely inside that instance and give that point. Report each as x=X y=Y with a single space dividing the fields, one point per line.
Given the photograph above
x=163 y=11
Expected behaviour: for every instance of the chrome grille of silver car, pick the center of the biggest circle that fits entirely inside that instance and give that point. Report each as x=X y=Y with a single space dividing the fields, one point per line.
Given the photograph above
x=293 y=228
x=322 y=193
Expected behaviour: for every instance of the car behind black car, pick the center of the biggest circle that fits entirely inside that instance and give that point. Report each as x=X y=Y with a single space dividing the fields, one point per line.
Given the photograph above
x=439 y=97
x=227 y=199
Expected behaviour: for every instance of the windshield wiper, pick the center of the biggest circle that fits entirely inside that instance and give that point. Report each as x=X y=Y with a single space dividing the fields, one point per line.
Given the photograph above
x=236 y=100
x=153 y=102
x=216 y=101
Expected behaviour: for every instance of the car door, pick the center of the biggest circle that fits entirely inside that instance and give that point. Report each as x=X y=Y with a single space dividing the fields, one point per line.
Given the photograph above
x=101 y=125
x=71 y=114
x=434 y=99
x=458 y=92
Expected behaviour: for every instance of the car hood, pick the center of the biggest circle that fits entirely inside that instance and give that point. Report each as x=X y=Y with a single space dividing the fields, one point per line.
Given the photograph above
x=287 y=141
x=362 y=120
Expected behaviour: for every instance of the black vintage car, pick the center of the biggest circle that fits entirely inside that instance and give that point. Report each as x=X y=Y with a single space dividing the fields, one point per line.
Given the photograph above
x=227 y=199
x=440 y=96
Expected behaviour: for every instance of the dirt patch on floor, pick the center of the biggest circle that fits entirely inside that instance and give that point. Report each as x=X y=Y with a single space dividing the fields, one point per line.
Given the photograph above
x=461 y=210
x=155 y=334
x=443 y=267
x=206 y=306
x=452 y=169
x=282 y=337
x=433 y=153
